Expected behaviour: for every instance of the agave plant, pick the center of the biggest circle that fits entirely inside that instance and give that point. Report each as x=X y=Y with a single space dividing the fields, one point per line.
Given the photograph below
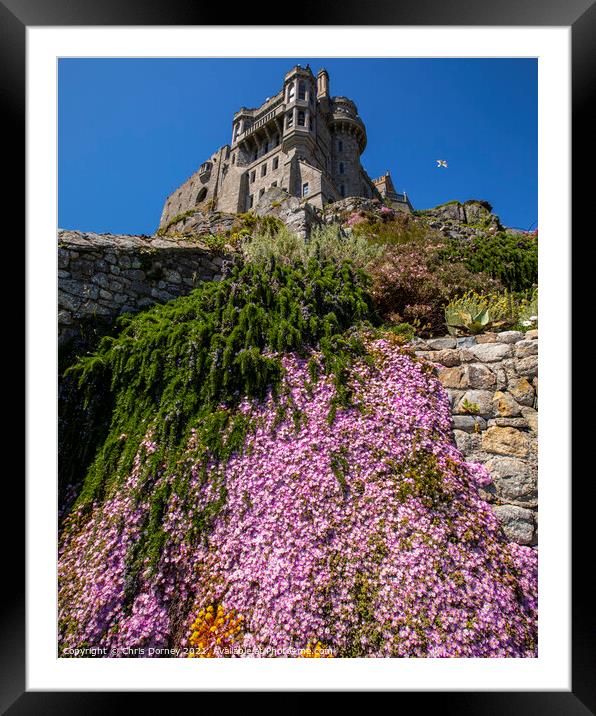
x=471 y=314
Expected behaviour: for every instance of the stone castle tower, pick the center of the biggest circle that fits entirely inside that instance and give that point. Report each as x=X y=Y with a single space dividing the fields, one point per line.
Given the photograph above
x=301 y=140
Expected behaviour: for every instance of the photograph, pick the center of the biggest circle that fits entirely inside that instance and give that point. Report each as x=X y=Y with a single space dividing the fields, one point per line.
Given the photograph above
x=297 y=333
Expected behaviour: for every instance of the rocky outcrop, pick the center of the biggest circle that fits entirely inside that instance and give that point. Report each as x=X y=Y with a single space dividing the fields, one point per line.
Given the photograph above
x=103 y=275
x=492 y=381
x=462 y=221
x=299 y=216
x=340 y=210
x=200 y=223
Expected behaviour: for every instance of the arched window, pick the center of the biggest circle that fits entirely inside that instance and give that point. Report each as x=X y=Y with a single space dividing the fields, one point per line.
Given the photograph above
x=201 y=195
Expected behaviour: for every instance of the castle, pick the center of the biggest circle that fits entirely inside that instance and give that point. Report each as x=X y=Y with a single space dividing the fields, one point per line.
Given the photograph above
x=301 y=140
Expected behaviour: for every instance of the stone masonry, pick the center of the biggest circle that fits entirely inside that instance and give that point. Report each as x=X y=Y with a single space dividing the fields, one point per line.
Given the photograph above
x=301 y=140
x=101 y=276
x=492 y=381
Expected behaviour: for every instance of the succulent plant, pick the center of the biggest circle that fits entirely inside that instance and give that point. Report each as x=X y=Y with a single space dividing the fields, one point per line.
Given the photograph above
x=459 y=320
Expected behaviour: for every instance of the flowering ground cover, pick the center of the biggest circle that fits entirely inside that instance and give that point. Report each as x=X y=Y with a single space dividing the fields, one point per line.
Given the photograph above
x=345 y=528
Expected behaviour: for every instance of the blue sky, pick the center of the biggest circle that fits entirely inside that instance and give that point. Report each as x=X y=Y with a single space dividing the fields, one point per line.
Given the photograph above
x=131 y=130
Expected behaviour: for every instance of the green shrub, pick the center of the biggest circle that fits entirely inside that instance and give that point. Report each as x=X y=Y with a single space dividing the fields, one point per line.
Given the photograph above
x=475 y=312
x=326 y=244
x=329 y=243
x=527 y=313
x=512 y=259
x=399 y=228
x=283 y=246
x=174 y=220
x=403 y=330
x=182 y=365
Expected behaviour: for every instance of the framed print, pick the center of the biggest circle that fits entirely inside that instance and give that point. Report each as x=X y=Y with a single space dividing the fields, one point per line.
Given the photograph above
x=297 y=403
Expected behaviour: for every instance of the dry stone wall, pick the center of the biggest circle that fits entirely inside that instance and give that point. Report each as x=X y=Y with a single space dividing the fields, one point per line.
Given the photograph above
x=102 y=275
x=492 y=381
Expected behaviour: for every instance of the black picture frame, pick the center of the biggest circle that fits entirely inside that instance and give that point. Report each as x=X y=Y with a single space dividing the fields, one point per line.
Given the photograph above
x=580 y=15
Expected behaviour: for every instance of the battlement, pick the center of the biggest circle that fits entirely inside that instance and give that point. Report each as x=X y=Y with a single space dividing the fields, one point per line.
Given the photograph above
x=301 y=140
x=391 y=197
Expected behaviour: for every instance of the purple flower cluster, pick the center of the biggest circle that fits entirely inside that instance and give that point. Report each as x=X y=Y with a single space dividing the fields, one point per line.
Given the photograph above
x=366 y=534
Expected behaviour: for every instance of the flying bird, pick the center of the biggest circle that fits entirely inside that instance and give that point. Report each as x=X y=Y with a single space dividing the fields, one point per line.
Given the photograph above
x=441 y=163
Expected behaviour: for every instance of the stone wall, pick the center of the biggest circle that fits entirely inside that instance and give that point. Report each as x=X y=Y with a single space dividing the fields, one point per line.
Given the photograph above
x=492 y=380
x=103 y=275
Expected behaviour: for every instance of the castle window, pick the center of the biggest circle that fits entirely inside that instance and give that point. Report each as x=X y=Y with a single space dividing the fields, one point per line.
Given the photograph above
x=265 y=147
x=301 y=119
x=276 y=140
x=274 y=183
x=340 y=146
x=261 y=192
x=264 y=169
x=342 y=190
x=289 y=119
x=233 y=159
x=275 y=163
x=249 y=202
x=341 y=167
x=305 y=189
x=301 y=90
x=253 y=175
x=291 y=89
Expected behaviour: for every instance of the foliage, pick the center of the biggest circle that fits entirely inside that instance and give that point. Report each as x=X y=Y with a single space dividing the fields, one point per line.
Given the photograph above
x=412 y=282
x=527 y=311
x=470 y=408
x=276 y=471
x=475 y=312
x=326 y=243
x=174 y=220
x=176 y=372
x=403 y=330
x=511 y=258
x=284 y=246
x=389 y=228
x=216 y=242
x=470 y=314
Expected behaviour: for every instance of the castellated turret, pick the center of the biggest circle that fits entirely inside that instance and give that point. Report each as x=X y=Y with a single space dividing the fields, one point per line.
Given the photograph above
x=301 y=139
